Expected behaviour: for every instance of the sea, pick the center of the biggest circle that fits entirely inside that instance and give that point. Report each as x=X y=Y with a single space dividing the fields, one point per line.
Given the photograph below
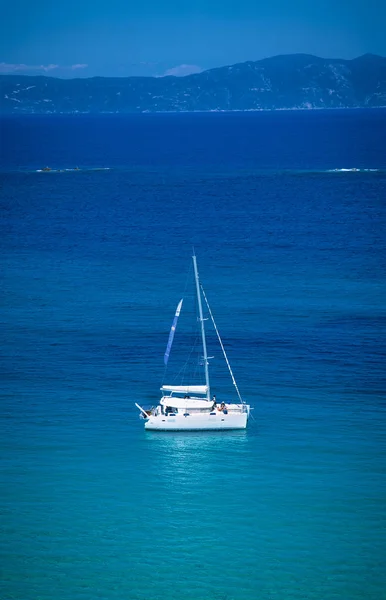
x=95 y=256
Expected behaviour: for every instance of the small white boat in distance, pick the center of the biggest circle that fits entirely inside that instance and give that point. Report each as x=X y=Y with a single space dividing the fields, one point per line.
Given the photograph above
x=191 y=407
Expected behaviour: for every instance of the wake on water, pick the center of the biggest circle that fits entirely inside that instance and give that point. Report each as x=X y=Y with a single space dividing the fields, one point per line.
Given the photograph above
x=263 y=172
x=75 y=169
x=352 y=170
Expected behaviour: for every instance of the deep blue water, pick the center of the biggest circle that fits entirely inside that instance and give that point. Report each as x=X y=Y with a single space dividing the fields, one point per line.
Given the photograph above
x=292 y=258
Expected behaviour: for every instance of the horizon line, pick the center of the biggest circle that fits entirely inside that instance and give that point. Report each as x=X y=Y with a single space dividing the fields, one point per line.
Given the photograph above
x=72 y=68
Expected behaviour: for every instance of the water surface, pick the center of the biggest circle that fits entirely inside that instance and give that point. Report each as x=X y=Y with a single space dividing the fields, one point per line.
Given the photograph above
x=292 y=258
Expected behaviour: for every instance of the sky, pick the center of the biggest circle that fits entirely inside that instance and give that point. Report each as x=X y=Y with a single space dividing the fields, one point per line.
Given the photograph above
x=178 y=37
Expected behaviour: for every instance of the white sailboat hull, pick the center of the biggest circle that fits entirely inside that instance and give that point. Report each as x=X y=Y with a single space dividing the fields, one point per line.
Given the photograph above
x=198 y=422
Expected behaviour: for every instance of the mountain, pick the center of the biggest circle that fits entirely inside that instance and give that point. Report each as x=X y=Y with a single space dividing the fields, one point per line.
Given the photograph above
x=280 y=82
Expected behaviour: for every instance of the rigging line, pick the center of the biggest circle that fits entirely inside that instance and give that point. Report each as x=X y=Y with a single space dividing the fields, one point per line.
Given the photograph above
x=182 y=372
x=184 y=367
x=188 y=277
x=222 y=346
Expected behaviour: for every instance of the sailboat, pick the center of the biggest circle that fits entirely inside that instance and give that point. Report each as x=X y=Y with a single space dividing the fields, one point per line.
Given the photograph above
x=191 y=407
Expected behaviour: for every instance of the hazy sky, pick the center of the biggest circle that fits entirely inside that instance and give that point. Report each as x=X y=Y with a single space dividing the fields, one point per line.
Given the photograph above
x=154 y=37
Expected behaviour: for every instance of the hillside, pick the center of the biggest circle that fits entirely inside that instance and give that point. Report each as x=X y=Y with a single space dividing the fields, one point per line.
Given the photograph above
x=280 y=82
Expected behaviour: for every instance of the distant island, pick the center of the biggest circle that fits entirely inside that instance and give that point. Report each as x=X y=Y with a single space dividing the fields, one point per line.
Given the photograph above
x=296 y=81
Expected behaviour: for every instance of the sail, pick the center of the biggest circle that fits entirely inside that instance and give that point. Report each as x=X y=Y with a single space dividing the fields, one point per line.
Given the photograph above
x=185 y=389
x=172 y=332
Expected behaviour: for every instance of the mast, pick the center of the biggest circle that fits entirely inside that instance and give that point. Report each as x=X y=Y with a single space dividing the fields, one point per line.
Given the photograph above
x=201 y=319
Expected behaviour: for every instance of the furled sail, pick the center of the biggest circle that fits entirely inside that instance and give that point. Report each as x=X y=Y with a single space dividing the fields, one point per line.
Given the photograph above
x=172 y=332
x=185 y=389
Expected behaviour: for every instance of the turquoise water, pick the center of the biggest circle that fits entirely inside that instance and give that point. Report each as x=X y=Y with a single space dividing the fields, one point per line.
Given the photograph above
x=94 y=262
